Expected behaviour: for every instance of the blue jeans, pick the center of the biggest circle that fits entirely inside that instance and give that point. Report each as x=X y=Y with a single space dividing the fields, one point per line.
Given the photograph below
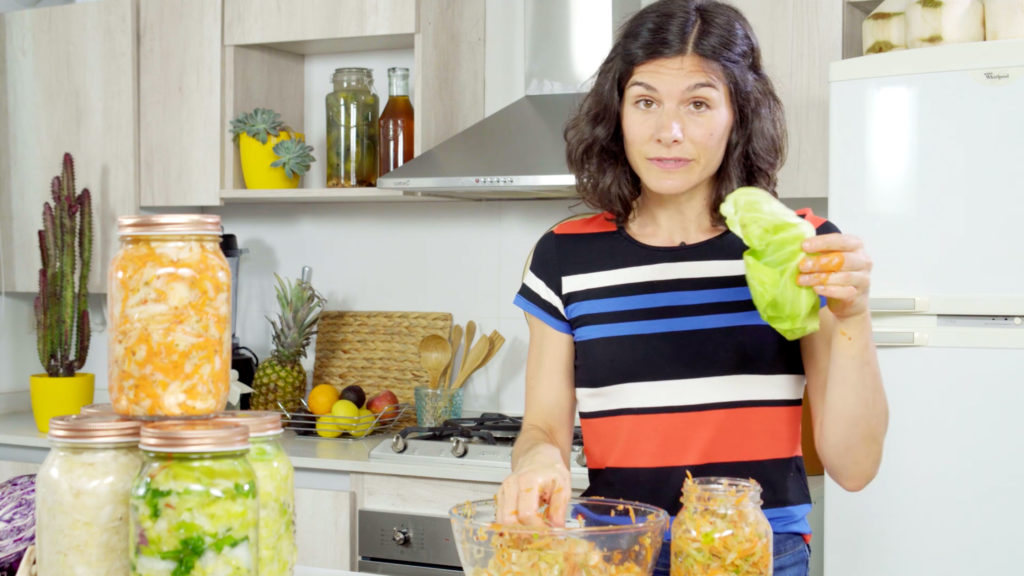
x=791 y=556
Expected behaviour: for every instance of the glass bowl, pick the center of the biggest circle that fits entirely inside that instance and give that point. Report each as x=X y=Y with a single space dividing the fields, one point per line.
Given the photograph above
x=601 y=537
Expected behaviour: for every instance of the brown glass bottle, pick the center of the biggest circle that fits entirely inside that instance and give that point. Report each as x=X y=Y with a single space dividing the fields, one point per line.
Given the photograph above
x=396 y=123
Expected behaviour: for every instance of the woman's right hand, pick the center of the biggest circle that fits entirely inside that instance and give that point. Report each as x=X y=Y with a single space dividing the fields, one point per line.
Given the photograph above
x=541 y=478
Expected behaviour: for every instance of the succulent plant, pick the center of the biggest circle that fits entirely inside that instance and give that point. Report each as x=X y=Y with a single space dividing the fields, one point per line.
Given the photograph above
x=258 y=124
x=294 y=155
x=61 y=307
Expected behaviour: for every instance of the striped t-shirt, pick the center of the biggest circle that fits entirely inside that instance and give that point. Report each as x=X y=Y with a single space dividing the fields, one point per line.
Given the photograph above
x=674 y=370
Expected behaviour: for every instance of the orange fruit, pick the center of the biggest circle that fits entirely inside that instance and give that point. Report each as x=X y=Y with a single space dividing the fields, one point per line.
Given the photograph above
x=321 y=398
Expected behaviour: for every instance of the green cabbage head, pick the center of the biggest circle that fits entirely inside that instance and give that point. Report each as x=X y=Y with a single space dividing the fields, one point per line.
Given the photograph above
x=773 y=233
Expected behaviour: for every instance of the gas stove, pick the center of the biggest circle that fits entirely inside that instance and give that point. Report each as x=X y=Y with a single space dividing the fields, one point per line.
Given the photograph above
x=485 y=440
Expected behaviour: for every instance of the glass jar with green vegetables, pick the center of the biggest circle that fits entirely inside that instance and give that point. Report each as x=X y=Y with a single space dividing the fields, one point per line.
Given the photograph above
x=275 y=486
x=193 y=507
x=352 y=129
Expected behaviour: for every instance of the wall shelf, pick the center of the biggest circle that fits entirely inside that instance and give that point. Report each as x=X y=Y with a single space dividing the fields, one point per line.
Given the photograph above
x=326 y=195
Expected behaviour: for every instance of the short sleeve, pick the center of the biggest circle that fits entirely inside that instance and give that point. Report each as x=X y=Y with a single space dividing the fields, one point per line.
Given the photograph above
x=541 y=292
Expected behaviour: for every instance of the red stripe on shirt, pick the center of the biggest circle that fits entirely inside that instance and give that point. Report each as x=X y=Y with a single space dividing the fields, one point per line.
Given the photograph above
x=603 y=222
x=692 y=438
x=808 y=215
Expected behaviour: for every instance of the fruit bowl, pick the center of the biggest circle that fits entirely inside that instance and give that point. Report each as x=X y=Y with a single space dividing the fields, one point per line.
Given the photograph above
x=305 y=423
x=601 y=537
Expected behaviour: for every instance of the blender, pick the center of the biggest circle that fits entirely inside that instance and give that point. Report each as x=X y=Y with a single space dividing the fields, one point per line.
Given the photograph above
x=243 y=360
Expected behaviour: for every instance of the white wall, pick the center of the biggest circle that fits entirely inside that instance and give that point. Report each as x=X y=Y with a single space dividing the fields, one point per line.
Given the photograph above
x=460 y=257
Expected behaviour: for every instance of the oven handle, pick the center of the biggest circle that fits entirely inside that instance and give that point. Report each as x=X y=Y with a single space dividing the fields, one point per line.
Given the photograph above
x=402 y=569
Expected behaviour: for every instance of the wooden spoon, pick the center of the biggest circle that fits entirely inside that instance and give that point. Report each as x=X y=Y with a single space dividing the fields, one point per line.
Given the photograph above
x=473 y=359
x=456 y=341
x=496 y=341
x=470 y=333
x=435 y=354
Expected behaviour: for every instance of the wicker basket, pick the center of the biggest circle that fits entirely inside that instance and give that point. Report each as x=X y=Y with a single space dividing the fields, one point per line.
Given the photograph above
x=376 y=350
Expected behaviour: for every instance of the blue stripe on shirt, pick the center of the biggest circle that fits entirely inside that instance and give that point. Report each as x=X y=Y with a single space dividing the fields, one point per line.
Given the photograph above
x=749 y=318
x=789 y=519
x=554 y=322
x=680 y=298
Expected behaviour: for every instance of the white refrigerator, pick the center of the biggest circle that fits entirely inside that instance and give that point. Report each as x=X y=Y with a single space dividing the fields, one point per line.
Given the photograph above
x=927 y=166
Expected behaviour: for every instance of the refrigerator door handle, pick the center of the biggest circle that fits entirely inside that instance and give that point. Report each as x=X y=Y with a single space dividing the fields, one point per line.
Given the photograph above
x=899 y=338
x=903 y=305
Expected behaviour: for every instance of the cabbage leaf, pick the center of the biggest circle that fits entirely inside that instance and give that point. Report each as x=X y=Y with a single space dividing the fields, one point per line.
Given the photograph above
x=773 y=233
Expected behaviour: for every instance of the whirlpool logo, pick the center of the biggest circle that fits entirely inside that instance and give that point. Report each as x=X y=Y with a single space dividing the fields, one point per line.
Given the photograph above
x=999 y=77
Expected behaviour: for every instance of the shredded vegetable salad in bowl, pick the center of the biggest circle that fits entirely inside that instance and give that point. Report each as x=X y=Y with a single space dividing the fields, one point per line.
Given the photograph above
x=600 y=538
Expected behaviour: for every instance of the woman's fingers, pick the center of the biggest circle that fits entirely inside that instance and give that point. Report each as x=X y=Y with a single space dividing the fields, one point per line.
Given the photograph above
x=522 y=499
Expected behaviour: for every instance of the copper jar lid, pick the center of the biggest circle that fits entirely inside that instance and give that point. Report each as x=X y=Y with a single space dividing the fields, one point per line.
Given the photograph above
x=259 y=422
x=193 y=436
x=105 y=408
x=93 y=429
x=168 y=224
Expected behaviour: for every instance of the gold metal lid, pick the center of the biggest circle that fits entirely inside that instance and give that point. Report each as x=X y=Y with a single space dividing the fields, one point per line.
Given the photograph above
x=193 y=436
x=106 y=408
x=259 y=422
x=93 y=429
x=168 y=224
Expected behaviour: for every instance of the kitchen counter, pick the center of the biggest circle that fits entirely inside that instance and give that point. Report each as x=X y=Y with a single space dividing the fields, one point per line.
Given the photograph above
x=312 y=457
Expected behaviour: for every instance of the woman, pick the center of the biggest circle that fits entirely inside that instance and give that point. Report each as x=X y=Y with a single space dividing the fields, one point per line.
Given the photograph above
x=641 y=318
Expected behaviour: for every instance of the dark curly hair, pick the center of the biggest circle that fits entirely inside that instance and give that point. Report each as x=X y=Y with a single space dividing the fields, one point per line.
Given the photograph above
x=714 y=31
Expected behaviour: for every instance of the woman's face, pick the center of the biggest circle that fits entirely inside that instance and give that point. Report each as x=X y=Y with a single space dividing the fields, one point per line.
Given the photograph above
x=676 y=120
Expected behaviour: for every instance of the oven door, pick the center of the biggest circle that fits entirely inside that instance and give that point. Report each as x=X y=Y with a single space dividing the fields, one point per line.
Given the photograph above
x=406 y=544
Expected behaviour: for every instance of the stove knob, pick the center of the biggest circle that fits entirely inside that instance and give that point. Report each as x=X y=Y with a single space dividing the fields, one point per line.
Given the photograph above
x=400 y=536
x=581 y=459
x=398 y=444
x=458 y=446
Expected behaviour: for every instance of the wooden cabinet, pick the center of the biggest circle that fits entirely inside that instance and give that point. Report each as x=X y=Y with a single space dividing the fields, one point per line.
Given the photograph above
x=325 y=528
x=69 y=85
x=799 y=38
x=180 y=124
x=267 y=42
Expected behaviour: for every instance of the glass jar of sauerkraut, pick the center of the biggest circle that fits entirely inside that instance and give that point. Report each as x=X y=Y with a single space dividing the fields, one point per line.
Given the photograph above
x=82 y=493
x=169 y=296
x=275 y=487
x=721 y=529
x=194 y=510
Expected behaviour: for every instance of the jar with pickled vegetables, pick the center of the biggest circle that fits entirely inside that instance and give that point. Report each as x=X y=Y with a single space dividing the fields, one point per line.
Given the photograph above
x=721 y=529
x=82 y=493
x=169 y=300
x=194 y=510
x=352 y=129
x=275 y=487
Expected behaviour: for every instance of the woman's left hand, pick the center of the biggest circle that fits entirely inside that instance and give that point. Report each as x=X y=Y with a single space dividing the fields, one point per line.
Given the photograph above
x=838 y=268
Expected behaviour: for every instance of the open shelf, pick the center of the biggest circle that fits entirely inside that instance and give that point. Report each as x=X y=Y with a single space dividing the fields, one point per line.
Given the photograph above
x=313 y=195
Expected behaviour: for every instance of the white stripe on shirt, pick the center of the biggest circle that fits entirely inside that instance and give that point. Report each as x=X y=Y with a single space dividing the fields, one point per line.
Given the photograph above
x=542 y=290
x=691 y=392
x=652 y=272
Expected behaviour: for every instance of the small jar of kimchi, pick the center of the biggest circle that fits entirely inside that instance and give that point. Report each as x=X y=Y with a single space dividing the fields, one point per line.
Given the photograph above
x=721 y=529
x=169 y=300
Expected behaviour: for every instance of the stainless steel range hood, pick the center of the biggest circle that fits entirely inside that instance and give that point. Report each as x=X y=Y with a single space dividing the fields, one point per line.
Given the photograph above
x=519 y=151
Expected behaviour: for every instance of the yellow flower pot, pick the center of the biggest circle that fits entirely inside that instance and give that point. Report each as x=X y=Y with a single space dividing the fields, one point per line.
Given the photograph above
x=257 y=158
x=59 y=396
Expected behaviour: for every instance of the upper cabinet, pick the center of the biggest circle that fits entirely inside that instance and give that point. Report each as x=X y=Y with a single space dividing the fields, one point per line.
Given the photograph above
x=68 y=85
x=271 y=47
x=799 y=38
x=180 y=124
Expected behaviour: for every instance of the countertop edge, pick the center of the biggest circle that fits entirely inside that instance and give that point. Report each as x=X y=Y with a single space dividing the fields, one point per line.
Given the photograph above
x=18 y=431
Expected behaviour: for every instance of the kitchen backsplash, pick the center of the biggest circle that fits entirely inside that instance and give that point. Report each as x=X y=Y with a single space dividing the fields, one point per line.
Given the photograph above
x=461 y=257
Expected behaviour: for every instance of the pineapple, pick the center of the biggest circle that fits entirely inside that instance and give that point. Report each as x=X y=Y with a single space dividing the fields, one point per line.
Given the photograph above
x=280 y=381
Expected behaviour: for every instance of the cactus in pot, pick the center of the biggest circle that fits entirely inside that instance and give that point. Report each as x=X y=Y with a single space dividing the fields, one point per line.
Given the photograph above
x=61 y=305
